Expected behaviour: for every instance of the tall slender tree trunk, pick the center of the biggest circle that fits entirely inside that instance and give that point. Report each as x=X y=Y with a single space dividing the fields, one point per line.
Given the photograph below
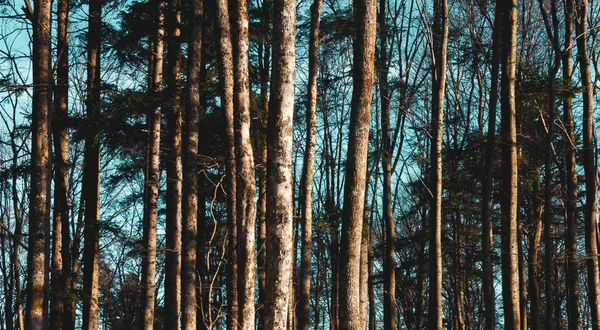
x=589 y=164
x=153 y=120
x=440 y=45
x=509 y=201
x=91 y=175
x=389 y=264
x=572 y=278
x=365 y=12
x=226 y=78
x=39 y=221
x=489 y=295
x=280 y=190
x=264 y=52
x=308 y=167
x=245 y=185
x=189 y=204
x=61 y=307
x=173 y=200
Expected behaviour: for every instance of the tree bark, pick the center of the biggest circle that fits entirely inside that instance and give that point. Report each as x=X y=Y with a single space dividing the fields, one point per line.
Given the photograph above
x=61 y=307
x=572 y=277
x=226 y=78
x=153 y=120
x=245 y=185
x=173 y=200
x=189 y=206
x=308 y=167
x=489 y=295
x=39 y=220
x=509 y=201
x=589 y=163
x=91 y=180
x=389 y=264
x=355 y=173
x=440 y=45
x=280 y=202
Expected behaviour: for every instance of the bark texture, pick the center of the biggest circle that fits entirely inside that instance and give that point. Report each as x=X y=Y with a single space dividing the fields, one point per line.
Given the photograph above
x=189 y=207
x=245 y=184
x=153 y=121
x=226 y=78
x=440 y=45
x=509 y=201
x=572 y=278
x=61 y=307
x=280 y=203
x=173 y=199
x=308 y=168
x=365 y=12
x=91 y=175
x=39 y=221
x=589 y=164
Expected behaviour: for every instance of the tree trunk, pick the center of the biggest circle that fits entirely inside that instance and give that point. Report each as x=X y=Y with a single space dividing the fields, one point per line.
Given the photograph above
x=173 y=202
x=91 y=175
x=37 y=283
x=440 y=44
x=246 y=184
x=226 y=78
x=355 y=176
x=61 y=307
x=389 y=264
x=589 y=163
x=509 y=202
x=489 y=295
x=189 y=204
x=280 y=202
x=153 y=121
x=572 y=277
x=308 y=169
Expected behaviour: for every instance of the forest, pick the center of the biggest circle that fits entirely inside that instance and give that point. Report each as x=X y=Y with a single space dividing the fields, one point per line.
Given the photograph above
x=299 y=164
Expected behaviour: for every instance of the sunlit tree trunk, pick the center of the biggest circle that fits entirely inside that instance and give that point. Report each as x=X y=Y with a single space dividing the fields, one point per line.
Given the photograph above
x=189 y=203
x=153 y=120
x=279 y=217
x=509 y=201
x=226 y=79
x=440 y=44
x=245 y=184
x=39 y=221
x=365 y=12
x=173 y=200
x=61 y=305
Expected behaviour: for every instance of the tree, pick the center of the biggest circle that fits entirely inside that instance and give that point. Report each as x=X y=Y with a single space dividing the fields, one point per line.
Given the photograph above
x=440 y=45
x=572 y=278
x=280 y=190
x=353 y=215
x=589 y=164
x=37 y=283
x=153 y=121
x=226 y=75
x=308 y=168
x=245 y=180
x=173 y=200
x=62 y=311
x=389 y=284
x=189 y=207
x=91 y=180
x=509 y=201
